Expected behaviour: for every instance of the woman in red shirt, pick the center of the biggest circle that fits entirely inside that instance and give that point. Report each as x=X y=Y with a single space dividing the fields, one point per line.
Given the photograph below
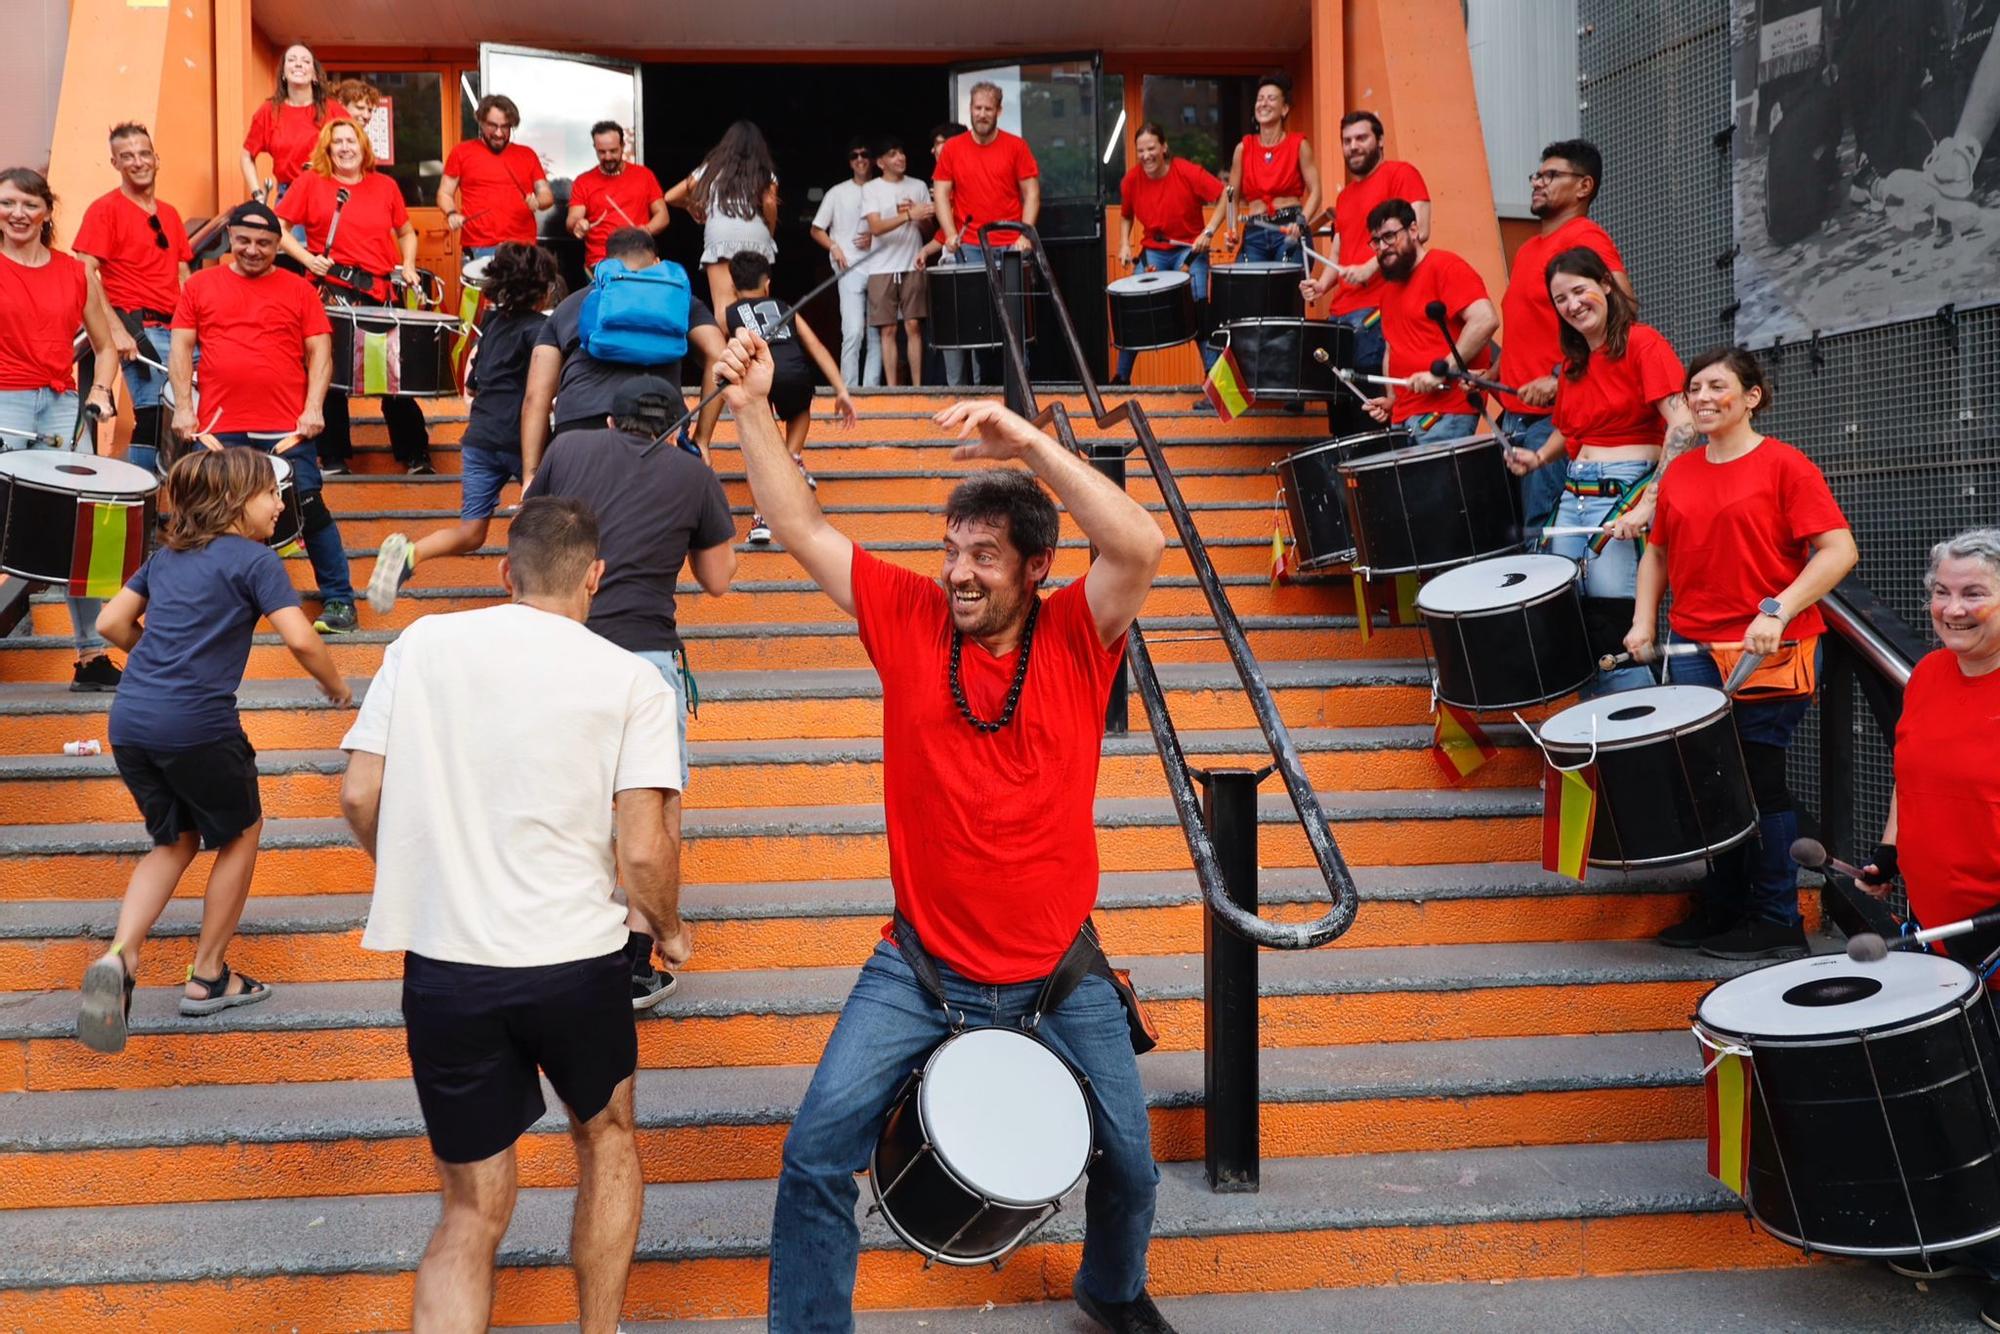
x=1748 y=537
x=1274 y=174
x=1619 y=401
x=374 y=236
x=45 y=296
x=1162 y=197
x=287 y=125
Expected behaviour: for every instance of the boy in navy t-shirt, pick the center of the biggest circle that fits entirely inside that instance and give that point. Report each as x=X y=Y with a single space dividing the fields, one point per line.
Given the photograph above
x=175 y=735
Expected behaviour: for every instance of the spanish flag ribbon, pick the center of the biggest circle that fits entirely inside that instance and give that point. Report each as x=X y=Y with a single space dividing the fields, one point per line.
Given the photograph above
x=378 y=363
x=1458 y=744
x=110 y=543
x=1403 y=611
x=1280 y=557
x=1569 y=814
x=1361 y=617
x=1224 y=387
x=1726 y=1091
x=471 y=305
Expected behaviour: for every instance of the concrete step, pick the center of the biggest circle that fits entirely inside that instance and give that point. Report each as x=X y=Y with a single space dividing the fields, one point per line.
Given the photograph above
x=1469 y=1215
x=317 y=1032
x=181 y=1145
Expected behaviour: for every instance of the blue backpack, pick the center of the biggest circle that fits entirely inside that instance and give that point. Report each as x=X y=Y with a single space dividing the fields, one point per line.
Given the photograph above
x=636 y=317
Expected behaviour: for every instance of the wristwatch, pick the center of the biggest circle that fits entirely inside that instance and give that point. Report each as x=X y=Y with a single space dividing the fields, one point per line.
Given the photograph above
x=1771 y=607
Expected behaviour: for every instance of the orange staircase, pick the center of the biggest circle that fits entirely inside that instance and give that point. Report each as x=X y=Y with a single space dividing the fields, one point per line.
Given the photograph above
x=1488 y=1078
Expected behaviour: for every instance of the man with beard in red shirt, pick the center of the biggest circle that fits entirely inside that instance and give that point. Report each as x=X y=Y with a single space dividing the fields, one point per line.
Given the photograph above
x=1356 y=283
x=492 y=185
x=986 y=175
x=1419 y=277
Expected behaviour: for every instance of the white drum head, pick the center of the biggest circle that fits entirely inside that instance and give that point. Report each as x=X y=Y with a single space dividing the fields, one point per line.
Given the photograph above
x=283 y=468
x=1632 y=715
x=473 y=274
x=77 y=474
x=1165 y=280
x=1492 y=585
x=1830 y=995
x=1006 y=1115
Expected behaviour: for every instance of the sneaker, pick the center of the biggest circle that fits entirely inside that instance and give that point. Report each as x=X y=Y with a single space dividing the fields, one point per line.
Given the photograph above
x=393 y=568
x=1757 y=938
x=1201 y=405
x=1913 y=1267
x=95 y=675
x=1697 y=926
x=812 y=482
x=651 y=986
x=336 y=618
x=420 y=467
x=760 y=532
x=1138 y=1316
x=334 y=467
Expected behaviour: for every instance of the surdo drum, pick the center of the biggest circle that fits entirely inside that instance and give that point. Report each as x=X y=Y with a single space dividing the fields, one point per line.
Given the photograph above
x=980 y=1146
x=290 y=534
x=1287 y=359
x=1671 y=786
x=1151 y=310
x=1507 y=632
x=1255 y=292
x=962 y=314
x=74 y=519
x=1873 y=1128
x=1311 y=481
x=1432 y=506
x=385 y=350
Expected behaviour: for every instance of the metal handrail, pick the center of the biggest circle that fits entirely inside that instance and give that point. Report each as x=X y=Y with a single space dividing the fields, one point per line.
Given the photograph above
x=1345 y=898
x=1880 y=639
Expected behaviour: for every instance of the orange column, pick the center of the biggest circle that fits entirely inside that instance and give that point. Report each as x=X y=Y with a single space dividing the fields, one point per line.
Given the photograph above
x=1326 y=73
x=112 y=73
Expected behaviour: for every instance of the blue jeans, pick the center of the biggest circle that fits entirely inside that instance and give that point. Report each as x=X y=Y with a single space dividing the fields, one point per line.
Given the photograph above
x=1758 y=878
x=1542 y=489
x=1445 y=426
x=49 y=413
x=323 y=545
x=1370 y=348
x=886 y=1029
x=1160 y=261
x=143 y=382
x=481 y=251
x=1611 y=573
x=1266 y=245
x=670 y=665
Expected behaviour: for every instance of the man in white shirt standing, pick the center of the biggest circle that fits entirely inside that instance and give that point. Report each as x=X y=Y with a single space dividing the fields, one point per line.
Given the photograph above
x=495 y=874
x=840 y=231
x=895 y=208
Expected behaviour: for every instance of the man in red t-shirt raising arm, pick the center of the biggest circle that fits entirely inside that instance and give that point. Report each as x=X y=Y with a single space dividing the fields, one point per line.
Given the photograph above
x=992 y=719
x=492 y=186
x=986 y=175
x=1416 y=278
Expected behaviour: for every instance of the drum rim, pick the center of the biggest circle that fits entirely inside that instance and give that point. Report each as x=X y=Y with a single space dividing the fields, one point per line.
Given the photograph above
x=1576 y=571
x=1959 y=1005
x=85 y=493
x=389 y=315
x=1872 y=1252
x=1439 y=448
x=1169 y=278
x=937 y=1150
x=1372 y=570
x=1580 y=748
x=1248 y=266
x=1676 y=858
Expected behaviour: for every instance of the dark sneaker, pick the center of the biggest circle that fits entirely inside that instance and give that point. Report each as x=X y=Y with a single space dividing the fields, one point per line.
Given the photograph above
x=420 y=467
x=651 y=986
x=1201 y=405
x=392 y=570
x=334 y=467
x=1138 y=1316
x=1757 y=938
x=95 y=675
x=1912 y=1266
x=760 y=532
x=1690 y=931
x=336 y=618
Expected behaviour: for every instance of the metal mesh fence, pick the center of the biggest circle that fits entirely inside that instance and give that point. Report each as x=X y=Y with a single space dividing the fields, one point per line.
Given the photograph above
x=1904 y=419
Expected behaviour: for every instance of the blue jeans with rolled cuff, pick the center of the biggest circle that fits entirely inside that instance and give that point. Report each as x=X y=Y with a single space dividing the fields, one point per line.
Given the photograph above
x=46 y=412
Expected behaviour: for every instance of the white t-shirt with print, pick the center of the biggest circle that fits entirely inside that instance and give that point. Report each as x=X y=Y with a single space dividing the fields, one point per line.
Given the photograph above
x=505 y=733
x=895 y=252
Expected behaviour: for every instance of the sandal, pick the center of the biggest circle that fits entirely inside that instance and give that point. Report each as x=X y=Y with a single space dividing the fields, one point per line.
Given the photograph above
x=105 y=1017
x=218 y=997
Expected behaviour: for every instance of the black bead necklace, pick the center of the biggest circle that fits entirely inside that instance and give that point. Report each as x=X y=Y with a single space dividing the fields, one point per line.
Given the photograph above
x=1013 y=691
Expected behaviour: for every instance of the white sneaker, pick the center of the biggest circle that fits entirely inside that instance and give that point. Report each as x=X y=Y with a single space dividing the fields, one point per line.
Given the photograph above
x=391 y=572
x=760 y=532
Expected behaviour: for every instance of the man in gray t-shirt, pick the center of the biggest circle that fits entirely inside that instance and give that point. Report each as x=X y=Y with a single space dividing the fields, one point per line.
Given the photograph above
x=581 y=387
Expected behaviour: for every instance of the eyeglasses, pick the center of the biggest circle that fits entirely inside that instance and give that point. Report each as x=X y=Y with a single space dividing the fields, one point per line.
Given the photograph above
x=159 y=232
x=1380 y=239
x=1544 y=177
x=858 y=155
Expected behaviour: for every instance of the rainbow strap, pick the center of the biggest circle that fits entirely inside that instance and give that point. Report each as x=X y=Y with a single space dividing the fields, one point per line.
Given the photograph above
x=1620 y=509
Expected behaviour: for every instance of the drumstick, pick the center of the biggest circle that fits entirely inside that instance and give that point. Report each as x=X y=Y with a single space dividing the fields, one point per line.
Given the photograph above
x=48 y=441
x=1682 y=649
x=1351 y=376
x=1812 y=854
x=1867 y=947
x=1575 y=532
x=1346 y=377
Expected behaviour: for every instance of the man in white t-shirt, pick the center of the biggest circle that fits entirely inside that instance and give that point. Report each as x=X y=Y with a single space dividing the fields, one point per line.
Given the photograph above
x=896 y=208
x=495 y=873
x=839 y=229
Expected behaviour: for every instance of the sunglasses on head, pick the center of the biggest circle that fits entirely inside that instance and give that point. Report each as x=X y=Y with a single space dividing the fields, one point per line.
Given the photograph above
x=159 y=232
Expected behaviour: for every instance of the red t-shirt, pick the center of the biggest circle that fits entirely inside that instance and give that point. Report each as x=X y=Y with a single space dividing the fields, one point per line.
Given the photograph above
x=992 y=836
x=985 y=182
x=252 y=336
x=1530 y=337
x=138 y=273
x=1736 y=533
x=366 y=236
x=493 y=192
x=1415 y=342
x=288 y=134
x=1389 y=180
x=1273 y=173
x=1948 y=790
x=1616 y=401
x=633 y=190
x=40 y=312
x=1169 y=208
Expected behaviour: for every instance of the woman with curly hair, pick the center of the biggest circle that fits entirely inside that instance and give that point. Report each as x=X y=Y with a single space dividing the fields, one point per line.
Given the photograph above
x=734 y=195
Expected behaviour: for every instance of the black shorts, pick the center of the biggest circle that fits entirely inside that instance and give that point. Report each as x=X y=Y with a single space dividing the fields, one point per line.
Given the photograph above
x=791 y=395
x=210 y=789
x=477 y=1035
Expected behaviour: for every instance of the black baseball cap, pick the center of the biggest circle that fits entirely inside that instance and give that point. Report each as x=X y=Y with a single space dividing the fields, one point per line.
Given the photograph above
x=251 y=213
x=646 y=396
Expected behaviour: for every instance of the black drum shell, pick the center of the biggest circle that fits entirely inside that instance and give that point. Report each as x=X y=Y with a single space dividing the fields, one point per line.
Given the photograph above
x=1432 y=506
x=1158 y=317
x=926 y=1204
x=1677 y=797
x=1513 y=656
x=425 y=368
x=1831 y=1166
x=38 y=528
x=1245 y=292
x=1276 y=357
x=291 y=528
x=961 y=304
x=1311 y=480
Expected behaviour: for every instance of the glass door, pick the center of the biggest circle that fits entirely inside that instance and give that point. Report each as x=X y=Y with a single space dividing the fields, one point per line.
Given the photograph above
x=561 y=94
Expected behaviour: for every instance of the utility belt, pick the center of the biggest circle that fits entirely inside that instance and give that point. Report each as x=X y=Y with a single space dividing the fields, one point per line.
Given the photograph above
x=140 y=316
x=1084 y=957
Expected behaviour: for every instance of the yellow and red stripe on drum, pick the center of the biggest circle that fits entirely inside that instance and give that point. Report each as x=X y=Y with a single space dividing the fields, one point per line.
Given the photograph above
x=1726 y=1092
x=110 y=543
x=378 y=362
x=1569 y=816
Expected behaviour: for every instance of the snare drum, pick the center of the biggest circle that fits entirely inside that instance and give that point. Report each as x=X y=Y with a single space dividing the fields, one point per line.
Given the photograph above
x=1291 y=358
x=74 y=519
x=384 y=351
x=1432 y=506
x=1873 y=1129
x=1507 y=632
x=1311 y=481
x=980 y=1146
x=1671 y=786
x=1151 y=310
x=290 y=534
x=961 y=300
x=1255 y=292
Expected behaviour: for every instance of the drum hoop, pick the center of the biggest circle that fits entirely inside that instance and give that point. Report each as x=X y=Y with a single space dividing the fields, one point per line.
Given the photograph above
x=1508 y=609
x=125 y=498
x=1571 y=747
x=981 y=1192
x=358 y=315
x=1952 y=1009
x=1418 y=453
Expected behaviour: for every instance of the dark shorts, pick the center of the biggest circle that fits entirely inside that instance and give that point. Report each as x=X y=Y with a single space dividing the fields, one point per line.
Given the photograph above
x=210 y=789
x=791 y=395
x=477 y=1035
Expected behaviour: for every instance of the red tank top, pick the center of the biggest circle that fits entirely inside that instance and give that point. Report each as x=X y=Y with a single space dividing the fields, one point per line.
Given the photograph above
x=1270 y=174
